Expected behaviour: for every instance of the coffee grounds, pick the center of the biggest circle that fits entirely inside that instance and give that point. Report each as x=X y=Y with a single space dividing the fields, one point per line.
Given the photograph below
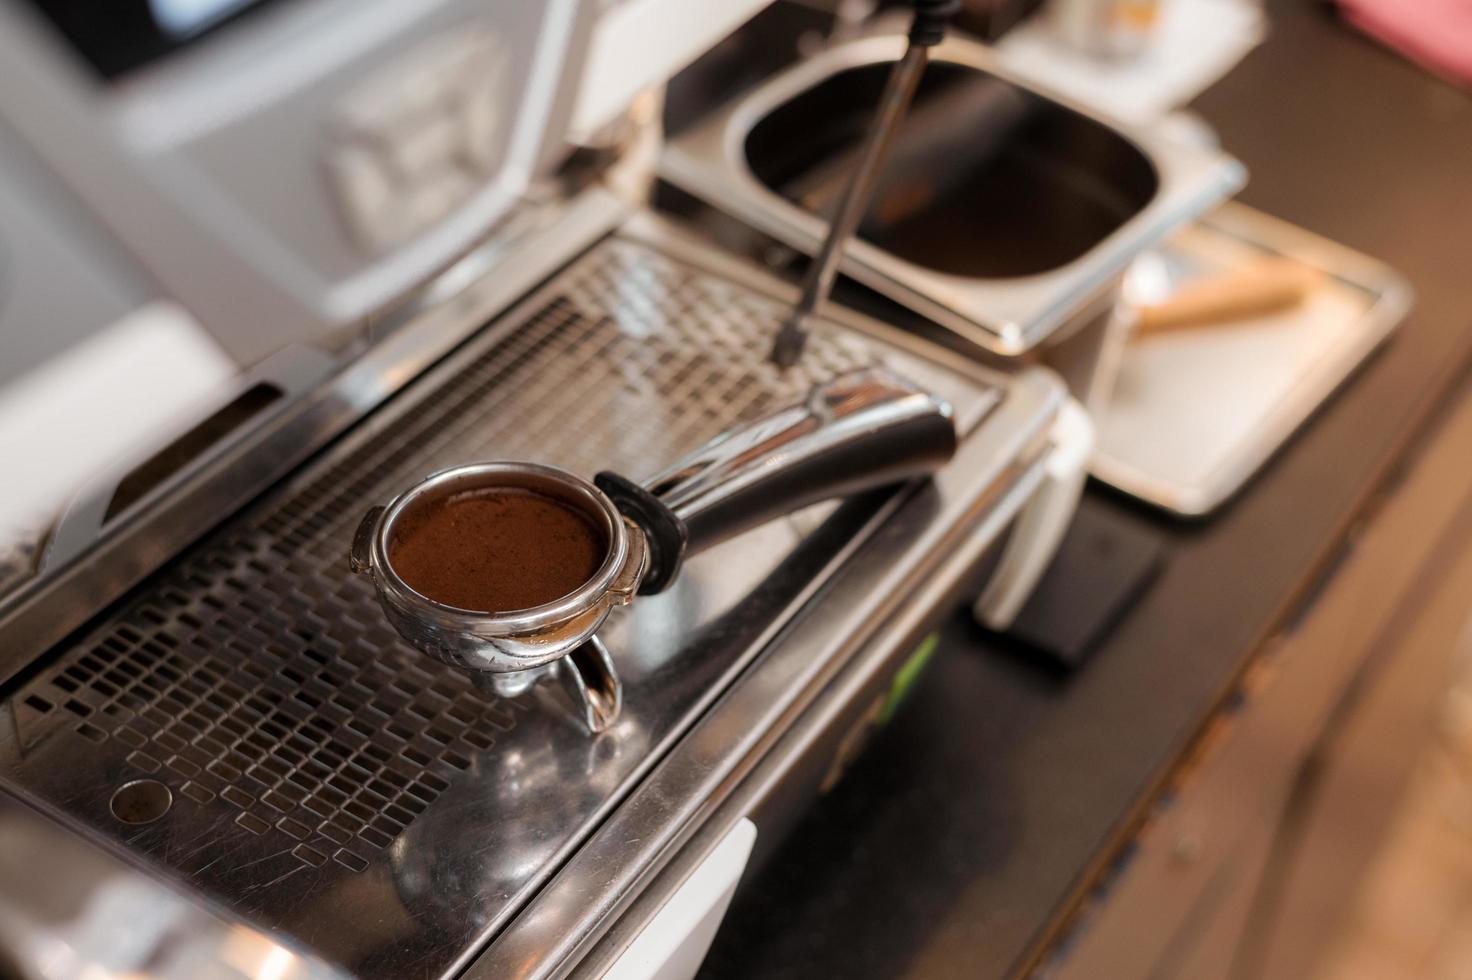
x=496 y=550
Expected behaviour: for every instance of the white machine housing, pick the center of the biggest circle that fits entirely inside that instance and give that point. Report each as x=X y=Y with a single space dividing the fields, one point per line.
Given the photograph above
x=302 y=167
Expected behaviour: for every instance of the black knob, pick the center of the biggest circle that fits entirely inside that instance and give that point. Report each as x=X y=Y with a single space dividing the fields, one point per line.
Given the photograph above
x=931 y=17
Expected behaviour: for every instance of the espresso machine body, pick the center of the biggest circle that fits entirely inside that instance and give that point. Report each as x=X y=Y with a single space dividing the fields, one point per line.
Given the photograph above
x=202 y=702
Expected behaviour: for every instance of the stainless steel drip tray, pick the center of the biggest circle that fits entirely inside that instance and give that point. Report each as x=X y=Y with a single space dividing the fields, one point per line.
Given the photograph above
x=331 y=783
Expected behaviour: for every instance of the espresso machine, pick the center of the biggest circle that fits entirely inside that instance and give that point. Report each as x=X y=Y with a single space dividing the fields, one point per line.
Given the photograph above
x=422 y=235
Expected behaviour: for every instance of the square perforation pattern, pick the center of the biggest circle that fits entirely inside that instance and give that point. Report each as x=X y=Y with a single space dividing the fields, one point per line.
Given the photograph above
x=256 y=674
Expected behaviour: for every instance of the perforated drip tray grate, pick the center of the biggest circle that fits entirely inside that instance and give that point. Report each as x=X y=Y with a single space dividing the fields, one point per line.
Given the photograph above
x=332 y=783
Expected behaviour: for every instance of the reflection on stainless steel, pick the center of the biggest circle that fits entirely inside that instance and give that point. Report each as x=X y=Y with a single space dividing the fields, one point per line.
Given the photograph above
x=589 y=677
x=862 y=430
x=437 y=871
x=327 y=779
x=919 y=562
x=70 y=909
x=733 y=785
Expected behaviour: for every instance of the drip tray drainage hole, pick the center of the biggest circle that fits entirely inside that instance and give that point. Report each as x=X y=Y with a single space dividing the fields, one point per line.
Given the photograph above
x=141 y=801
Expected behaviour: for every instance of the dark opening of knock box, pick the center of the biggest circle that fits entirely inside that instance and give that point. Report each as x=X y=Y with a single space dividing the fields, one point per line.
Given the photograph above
x=984 y=179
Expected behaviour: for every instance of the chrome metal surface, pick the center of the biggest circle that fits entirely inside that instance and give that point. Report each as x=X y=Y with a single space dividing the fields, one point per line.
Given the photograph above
x=860 y=431
x=1261 y=381
x=592 y=684
x=764 y=774
x=1007 y=316
x=880 y=605
x=818 y=284
x=505 y=641
x=331 y=783
x=41 y=613
x=70 y=909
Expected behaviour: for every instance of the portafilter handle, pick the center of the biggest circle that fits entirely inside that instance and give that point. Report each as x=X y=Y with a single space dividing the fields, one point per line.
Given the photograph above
x=859 y=431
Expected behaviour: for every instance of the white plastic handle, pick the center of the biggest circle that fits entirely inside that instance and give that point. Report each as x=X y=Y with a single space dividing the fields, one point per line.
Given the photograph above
x=673 y=944
x=1043 y=521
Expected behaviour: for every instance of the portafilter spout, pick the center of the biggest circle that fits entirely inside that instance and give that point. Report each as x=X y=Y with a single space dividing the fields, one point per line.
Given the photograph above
x=860 y=431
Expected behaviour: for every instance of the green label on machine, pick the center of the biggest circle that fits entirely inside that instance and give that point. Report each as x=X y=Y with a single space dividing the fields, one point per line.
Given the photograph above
x=906 y=676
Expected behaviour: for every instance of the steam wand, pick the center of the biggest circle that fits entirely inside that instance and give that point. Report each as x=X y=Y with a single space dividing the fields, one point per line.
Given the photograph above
x=926 y=31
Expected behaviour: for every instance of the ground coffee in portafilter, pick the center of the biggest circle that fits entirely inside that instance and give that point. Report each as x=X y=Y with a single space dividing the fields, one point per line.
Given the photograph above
x=496 y=550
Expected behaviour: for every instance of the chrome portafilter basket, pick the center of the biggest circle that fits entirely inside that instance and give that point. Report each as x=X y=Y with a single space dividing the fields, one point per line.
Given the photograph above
x=509 y=651
x=857 y=432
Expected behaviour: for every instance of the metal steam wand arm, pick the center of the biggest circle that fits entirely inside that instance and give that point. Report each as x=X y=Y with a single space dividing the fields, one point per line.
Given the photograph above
x=926 y=31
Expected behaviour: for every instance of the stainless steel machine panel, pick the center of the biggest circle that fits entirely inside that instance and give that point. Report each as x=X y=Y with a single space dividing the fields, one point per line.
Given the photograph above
x=327 y=781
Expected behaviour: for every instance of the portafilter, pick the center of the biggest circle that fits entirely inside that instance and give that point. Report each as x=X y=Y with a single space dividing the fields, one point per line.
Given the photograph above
x=857 y=432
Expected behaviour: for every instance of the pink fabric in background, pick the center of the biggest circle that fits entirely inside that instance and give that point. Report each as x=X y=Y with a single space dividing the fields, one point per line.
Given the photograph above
x=1437 y=33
